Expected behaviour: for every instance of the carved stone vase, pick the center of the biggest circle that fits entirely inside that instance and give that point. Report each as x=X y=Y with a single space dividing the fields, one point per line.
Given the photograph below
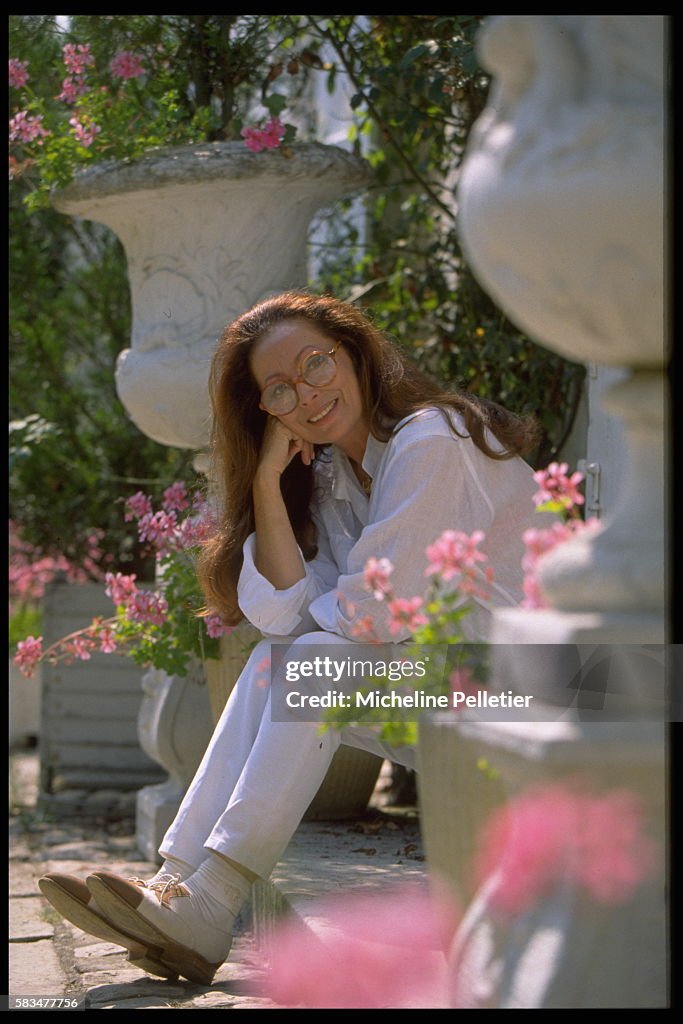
x=208 y=229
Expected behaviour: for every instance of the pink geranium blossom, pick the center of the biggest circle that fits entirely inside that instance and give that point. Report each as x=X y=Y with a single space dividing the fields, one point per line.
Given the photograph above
x=137 y=506
x=126 y=65
x=269 y=137
x=176 y=498
x=29 y=653
x=27 y=128
x=120 y=587
x=454 y=554
x=77 y=57
x=73 y=89
x=158 y=528
x=107 y=639
x=376 y=577
x=555 y=485
x=82 y=647
x=379 y=952
x=85 y=132
x=18 y=74
x=405 y=614
x=554 y=834
x=147 y=606
x=215 y=627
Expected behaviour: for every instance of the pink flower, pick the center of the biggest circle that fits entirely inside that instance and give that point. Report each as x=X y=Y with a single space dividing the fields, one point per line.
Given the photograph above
x=126 y=65
x=18 y=75
x=268 y=137
x=137 y=506
x=253 y=138
x=379 y=952
x=215 y=627
x=73 y=89
x=81 y=647
x=555 y=485
x=175 y=497
x=159 y=528
x=77 y=58
x=454 y=554
x=553 y=834
x=29 y=653
x=194 y=530
x=147 y=606
x=85 y=133
x=119 y=587
x=27 y=128
x=405 y=615
x=376 y=577
x=107 y=639
x=273 y=133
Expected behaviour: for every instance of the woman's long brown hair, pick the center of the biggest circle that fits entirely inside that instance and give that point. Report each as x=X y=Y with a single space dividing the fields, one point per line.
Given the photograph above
x=391 y=388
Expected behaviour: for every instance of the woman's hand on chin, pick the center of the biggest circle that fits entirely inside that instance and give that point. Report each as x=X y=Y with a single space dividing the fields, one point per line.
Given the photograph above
x=280 y=446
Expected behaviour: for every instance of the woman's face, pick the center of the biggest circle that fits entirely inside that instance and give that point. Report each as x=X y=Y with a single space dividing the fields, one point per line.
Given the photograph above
x=325 y=414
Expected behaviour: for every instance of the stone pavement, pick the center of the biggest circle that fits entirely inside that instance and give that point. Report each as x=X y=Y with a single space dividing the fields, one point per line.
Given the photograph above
x=51 y=958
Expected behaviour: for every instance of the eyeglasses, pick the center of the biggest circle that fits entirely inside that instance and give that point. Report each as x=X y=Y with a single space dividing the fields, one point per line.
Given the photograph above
x=317 y=370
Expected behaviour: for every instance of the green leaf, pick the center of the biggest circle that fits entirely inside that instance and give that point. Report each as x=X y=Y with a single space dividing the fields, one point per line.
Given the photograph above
x=413 y=54
x=275 y=103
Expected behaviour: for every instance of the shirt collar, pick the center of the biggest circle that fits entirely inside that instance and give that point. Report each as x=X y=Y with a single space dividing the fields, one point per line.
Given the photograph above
x=344 y=482
x=374 y=450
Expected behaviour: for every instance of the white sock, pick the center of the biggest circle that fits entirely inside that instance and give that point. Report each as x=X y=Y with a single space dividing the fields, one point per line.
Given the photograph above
x=174 y=866
x=218 y=891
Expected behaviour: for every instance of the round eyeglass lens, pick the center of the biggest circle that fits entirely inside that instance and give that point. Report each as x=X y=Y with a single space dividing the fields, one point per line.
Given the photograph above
x=319 y=368
x=279 y=398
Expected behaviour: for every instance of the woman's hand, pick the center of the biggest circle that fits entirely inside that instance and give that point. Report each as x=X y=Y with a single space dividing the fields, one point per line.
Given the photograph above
x=277 y=554
x=280 y=446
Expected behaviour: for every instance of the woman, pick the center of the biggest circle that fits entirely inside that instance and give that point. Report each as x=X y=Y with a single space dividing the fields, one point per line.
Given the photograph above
x=328 y=449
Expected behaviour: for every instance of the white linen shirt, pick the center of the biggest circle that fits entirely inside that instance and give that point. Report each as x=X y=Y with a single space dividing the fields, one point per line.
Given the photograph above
x=424 y=480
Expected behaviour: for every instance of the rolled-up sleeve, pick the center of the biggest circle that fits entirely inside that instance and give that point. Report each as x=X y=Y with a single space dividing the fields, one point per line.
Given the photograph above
x=426 y=486
x=284 y=612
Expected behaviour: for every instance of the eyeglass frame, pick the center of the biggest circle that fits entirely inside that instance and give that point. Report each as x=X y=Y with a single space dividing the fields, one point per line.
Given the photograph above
x=293 y=381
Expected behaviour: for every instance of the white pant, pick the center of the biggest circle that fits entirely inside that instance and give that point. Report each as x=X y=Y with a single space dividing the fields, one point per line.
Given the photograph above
x=258 y=776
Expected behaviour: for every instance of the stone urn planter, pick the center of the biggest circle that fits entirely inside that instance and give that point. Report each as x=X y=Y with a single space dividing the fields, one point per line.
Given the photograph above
x=561 y=207
x=208 y=229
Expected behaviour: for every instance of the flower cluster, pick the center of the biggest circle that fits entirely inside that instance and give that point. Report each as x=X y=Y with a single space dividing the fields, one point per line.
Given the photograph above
x=119 y=111
x=31 y=570
x=268 y=137
x=162 y=626
x=560 y=832
x=558 y=492
x=127 y=65
x=456 y=573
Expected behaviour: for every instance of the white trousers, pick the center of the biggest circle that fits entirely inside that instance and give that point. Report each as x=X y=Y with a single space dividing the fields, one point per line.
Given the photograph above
x=258 y=776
